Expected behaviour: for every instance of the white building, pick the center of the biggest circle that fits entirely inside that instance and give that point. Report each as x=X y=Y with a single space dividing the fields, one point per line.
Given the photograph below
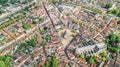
x=91 y=49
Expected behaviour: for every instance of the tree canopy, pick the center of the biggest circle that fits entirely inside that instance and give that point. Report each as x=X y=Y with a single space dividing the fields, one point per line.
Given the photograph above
x=5 y=60
x=43 y=42
x=108 y=5
x=52 y=62
x=1 y=11
x=48 y=37
x=91 y=59
x=26 y=26
x=112 y=42
x=43 y=31
x=103 y=54
x=82 y=56
x=74 y=21
x=31 y=42
x=114 y=11
x=113 y=39
x=2 y=64
x=24 y=45
x=5 y=2
x=35 y=21
x=118 y=22
x=53 y=1
x=103 y=59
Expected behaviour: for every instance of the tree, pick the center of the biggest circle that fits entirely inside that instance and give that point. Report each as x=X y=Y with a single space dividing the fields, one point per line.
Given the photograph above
x=118 y=14
x=52 y=62
x=3 y=2
x=113 y=39
x=48 y=37
x=115 y=11
x=1 y=11
x=118 y=22
x=31 y=42
x=13 y=1
x=82 y=56
x=115 y=50
x=73 y=35
x=91 y=59
x=103 y=54
x=23 y=44
x=6 y=2
x=73 y=30
x=35 y=21
x=117 y=39
x=108 y=5
x=40 y=19
x=2 y=64
x=43 y=42
x=24 y=12
x=103 y=59
x=5 y=60
x=112 y=42
x=43 y=65
x=48 y=63
x=26 y=26
x=111 y=56
x=43 y=31
x=67 y=65
x=2 y=57
x=74 y=21
x=53 y=1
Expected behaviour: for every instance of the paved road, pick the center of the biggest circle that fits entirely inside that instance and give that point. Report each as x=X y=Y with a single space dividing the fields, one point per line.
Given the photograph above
x=48 y=14
x=102 y=29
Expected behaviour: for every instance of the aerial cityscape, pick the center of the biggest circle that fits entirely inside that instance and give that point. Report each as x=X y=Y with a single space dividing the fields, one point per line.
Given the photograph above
x=59 y=33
